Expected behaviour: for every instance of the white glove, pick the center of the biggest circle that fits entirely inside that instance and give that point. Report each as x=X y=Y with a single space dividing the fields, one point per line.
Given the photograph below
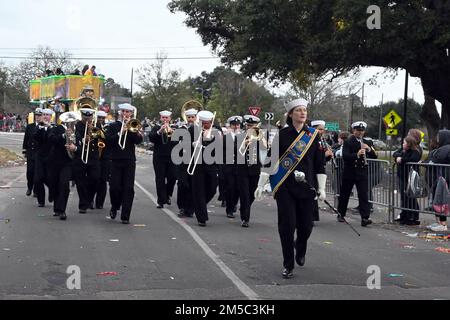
x=321 y=181
x=263 y=179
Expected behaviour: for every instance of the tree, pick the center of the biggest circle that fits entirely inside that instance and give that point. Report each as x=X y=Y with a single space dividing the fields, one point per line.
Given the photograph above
x=274 y=39
x=39 y=61
x=160 y=86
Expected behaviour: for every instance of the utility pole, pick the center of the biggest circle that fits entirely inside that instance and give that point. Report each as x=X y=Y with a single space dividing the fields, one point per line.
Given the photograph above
x=381 y=115
x=362 y=102
x=132 y=74
x=405 y=104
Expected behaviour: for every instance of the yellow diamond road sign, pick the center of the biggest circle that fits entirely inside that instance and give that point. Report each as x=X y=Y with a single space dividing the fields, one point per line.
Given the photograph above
x=392 y=132
x=392 y=119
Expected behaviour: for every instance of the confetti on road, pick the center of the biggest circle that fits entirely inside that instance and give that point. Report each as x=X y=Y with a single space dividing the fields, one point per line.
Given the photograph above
x=107 y=273
x=443 y=250
x=327 y=242
x=172 y=278
x=394 y=275
x=174 y=238
x=5 y=220
x=7 y=249
x=114 y=240
x=140 y=225
x=409 y=247
x=263 y=240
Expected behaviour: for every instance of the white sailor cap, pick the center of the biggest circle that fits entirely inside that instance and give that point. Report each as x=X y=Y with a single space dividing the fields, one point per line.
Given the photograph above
x=317 y=123
x=126 y=106
x=165 y=113
x=102 y=113
x=87 y=112
x=251 y=119
x=48 y=111
x=205 y=115
x=359 y=125
x=38 y=111
x=296 y=103
x=234 y=119
x=191 y=112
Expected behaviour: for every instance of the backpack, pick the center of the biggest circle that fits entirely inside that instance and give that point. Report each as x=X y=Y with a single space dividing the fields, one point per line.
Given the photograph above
x=417 y=187
x=440 y=201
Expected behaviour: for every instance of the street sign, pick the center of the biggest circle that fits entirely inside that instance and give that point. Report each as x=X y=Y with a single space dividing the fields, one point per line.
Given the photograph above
x=392 y=132
x=254 y=111
x=392 y=119
x=269 y=116
x=332 y=126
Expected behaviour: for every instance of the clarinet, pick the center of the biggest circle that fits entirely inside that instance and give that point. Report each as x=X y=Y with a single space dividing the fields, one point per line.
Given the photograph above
x=327 y=146
x=364 y=158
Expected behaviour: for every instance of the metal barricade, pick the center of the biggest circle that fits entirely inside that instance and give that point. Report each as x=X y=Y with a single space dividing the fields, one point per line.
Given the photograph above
x=388 y=185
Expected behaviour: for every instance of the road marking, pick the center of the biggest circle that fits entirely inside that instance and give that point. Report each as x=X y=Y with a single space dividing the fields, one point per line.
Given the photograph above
x=245 y=289
x=9 y=184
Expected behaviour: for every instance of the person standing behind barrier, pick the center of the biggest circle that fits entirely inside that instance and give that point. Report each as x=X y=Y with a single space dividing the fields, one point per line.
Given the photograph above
x=29 y=149
x=343 y=136
x=356 y=151
x=441 y=155
x=409 y=153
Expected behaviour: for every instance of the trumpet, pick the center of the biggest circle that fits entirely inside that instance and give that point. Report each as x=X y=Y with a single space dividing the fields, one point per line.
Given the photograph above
x=253 y=134
x=198 y=148
x=133 y=125
x=166 y=134
x=88 y=135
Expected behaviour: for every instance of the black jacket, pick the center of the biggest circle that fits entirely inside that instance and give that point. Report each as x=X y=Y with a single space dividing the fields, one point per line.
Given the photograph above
x=409 y=155
x=252 y=168
x=57 y=139
x=29 y=144
x=112 y=140
x=353 y=165
x=312 y=163
x=93 y=143
x=43 y=147
x=202 y=163
x=160 y=149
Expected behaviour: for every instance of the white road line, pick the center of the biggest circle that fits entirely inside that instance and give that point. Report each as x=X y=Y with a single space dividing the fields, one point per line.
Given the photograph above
x=245 y=289
x=9 y=184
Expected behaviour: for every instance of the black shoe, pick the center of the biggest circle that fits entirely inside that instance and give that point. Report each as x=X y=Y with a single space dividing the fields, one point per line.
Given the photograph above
x=300 y=260
x=125 y=222
x=224 y=204
x=402 y=222
x=91 y=206
x=202 y=224
x=113 y=214
x=41 y=205
x=99 y=207
x=234 y=209
x=365 y=222
x=50 y=198
x=28 y=192
x=244 y=224
x=287 y=273
x=312 y=224
x=56 y=214
x=169 y=202
x=413 y=223
x=62 y=216
x=230 y=215
x=160 y=206
x=340 y=218
x=34 y=195
x=82 y=211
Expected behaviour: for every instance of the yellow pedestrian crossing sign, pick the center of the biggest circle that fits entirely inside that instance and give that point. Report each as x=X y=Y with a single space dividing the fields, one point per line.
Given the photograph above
x=392 y=119
x=392 y=132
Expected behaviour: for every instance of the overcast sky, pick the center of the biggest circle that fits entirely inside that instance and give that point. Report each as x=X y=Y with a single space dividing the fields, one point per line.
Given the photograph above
x=132 y=28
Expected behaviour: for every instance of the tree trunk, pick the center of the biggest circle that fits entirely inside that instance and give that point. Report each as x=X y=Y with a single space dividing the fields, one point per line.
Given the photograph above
x=430 y=117
x=445 y=115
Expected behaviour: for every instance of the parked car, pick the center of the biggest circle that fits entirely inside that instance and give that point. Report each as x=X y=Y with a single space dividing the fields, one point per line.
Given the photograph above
x=379 y=145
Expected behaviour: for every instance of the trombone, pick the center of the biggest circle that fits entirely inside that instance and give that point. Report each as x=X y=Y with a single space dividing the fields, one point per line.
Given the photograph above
x=253 y=134
x=87 y=103
x=198 y=148
x=132 y=125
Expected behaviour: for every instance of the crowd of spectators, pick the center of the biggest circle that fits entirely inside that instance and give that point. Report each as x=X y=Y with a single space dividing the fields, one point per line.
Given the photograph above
x=11 y=122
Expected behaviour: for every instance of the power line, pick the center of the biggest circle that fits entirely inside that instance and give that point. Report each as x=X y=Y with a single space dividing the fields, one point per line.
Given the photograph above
x=111 y=58
x=100 y=48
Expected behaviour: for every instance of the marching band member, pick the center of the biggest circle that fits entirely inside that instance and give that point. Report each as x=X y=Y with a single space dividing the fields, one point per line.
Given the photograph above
x=204 y=178
x=123 y=163
x=86 y=175
x=248 y=172
x=300 y=155
x=164 y=169
x=319 y=125
x=42 y=165
x=355 y=152
x=62 y=139
x=105 y=163
x=230 y=165
x=184 y=191
x=29 y=148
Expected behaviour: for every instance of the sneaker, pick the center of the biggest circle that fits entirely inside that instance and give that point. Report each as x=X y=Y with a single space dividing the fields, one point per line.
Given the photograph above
x=439 y=228
x=230 y=215
x=433 y=225
x=244 y=224
x=287 y=273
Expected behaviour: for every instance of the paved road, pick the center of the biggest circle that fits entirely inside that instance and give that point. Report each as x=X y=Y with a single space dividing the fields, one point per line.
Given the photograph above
x=159 y=256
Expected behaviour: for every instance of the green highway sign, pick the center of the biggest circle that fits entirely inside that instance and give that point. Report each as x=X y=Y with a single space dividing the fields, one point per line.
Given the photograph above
x=332 y=126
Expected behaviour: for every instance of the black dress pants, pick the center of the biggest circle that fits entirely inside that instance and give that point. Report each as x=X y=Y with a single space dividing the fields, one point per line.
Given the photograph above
x=121 y=186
